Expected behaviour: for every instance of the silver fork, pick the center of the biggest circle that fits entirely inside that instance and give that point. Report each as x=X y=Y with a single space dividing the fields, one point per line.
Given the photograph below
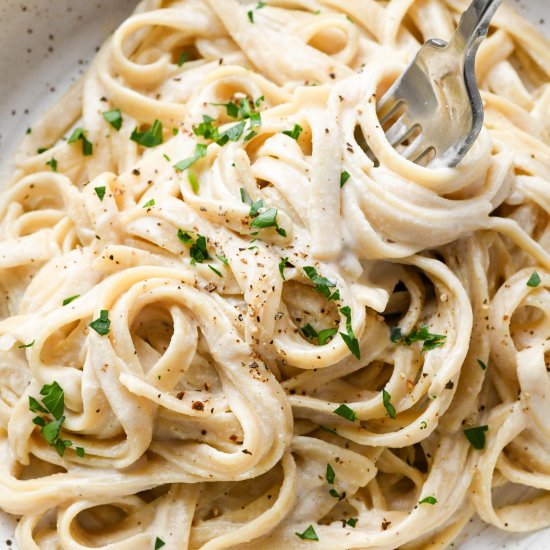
x=437 y=99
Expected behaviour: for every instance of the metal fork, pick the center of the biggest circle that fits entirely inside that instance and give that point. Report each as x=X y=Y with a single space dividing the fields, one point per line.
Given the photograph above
x=437 y=99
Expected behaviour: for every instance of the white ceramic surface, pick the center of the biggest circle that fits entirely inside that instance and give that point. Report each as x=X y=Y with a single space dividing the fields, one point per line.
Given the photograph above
x=45 y=45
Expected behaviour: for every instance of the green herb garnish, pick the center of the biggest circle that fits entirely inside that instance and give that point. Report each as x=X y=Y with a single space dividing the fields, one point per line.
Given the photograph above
x=100 y=192
x=87 y=146
x=159 y=543
x=344 y=177
x=308 y=534
x=149 y=204
x=52 y=164
x=200 y=152
x=345 y=412
x=322 y=284
x=67 y=301
x=102 y=325
x=151 y=137
x=324 y=335
x=428 y=500
x=218 y=273
x=330 y=475
x=476 y=436
x=390 y=409
x=27 y=345
x=482 y=364
x=431 y=341
x=534 y=281
x=349 y=337
x=183 y=58
x=295 y=132
x=114 y=118
x=193 y=181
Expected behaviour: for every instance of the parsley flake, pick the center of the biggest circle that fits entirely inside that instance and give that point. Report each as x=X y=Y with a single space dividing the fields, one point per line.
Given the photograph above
x=151 y=137
x=428 y=500
x=102 y=325
x=218 y=273
x=349 y=336
x=193 y=181
x=159 y=543
x=308 y=534
x=67 y=301
x=282 y=265
x=344 y=177
x=183 y=58
x=25 y=346
x=114 y=118
x=325 y=335
x=52 y=164
x=346 y=412
x=295 y=132
x=352 y=522
x=476 y=436
x=330 y=474
x=149 y=204
x=431 y=341
x=87 y=146
x=309 y=332
x=100 y=192
x=200 y=152
x=482 y=364
x=534 y=281
x=390 y=409
x=322 y=284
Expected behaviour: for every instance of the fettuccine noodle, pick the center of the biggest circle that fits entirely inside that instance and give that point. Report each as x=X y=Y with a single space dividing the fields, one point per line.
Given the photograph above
x=233 y=316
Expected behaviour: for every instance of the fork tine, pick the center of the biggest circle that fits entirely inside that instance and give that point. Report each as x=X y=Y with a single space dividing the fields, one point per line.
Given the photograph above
x=388 y=109
x=399 y=131
x=413 y=150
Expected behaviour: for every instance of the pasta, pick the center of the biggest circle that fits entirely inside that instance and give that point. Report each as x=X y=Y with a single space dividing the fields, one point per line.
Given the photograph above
x=227 y=323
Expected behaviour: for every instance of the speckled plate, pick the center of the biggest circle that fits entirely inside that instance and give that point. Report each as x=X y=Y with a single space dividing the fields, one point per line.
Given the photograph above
x=46 y=45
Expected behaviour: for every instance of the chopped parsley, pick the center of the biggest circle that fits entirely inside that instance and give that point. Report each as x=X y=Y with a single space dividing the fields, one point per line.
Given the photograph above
x=114 y=118
x=100 y=192
x=159 y=543
x=431 y=341
x=151 y=137
x=334 y=493
x=482 y=364
x=53 y=403
x=245 y=197
x=67 y=301
x=200 y=152
x=330 y=475
x=349 y=336
x=346 y=412
x=250 y=14
x=193 y=181
x=344 y=177
x=268 y=218
x=428 y=500
x=309 y=332
x=308 y=534
x=218 y=273
x=325 y=335
x=87 y=146
x=476 y=436
x=198 y=248
x=222 y=259
x=396 y=335
x=102 y=325
x=390 y=409
x=52 y=164
x=295 y=132
x=534 y=281
x=322 y=284
x=80 y=452
x=282 y=265
x=25 y=346
x=149 y=204
x=183 y=58
x=352 y=522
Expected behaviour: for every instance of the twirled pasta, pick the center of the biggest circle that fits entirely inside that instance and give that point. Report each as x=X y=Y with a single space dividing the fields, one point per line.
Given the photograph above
x=258 y=332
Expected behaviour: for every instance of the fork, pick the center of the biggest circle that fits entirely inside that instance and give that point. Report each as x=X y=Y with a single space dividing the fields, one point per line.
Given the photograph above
x=435 y=107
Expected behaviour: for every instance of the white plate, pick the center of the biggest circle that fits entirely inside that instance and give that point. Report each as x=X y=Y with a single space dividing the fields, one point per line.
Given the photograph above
x=47 y=45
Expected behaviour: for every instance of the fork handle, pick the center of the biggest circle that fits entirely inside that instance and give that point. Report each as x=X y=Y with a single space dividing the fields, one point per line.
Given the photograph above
x=474 y=24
